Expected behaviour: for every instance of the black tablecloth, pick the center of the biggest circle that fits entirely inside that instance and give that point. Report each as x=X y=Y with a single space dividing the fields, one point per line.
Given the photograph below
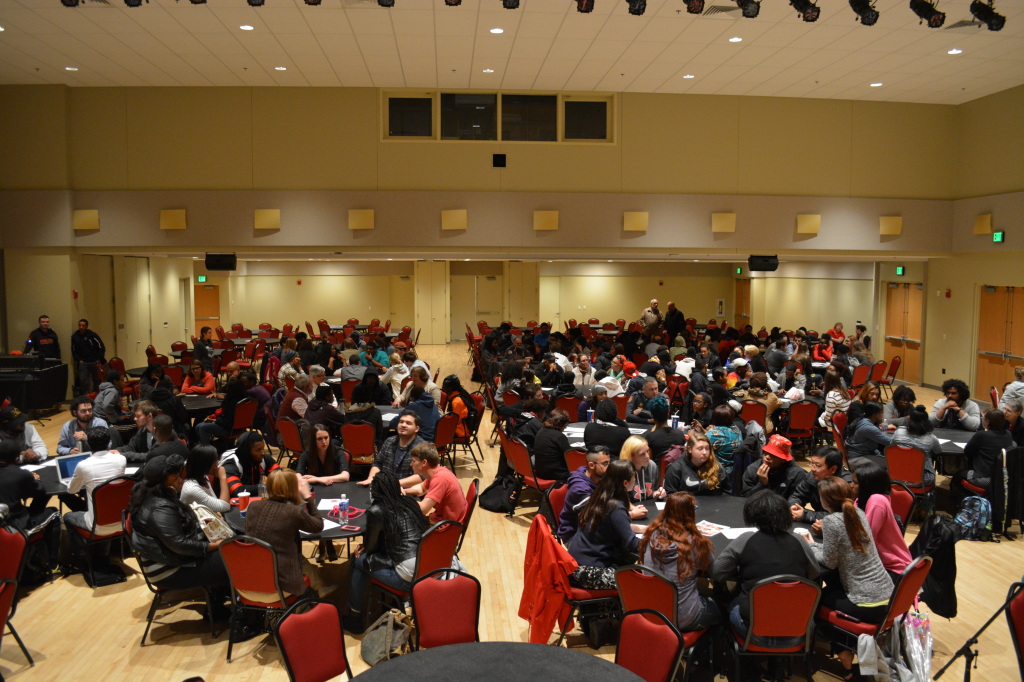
x=497 y=662
x=199 y=404
x=358 y=497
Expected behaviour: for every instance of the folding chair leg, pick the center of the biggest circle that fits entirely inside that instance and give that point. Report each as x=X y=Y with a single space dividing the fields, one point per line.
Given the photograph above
x=21 y=644
x=149 y=617
x=563 y=627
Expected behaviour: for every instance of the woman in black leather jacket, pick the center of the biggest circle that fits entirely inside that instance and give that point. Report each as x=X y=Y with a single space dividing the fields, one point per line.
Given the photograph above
x=394 y=527
x=174 y=553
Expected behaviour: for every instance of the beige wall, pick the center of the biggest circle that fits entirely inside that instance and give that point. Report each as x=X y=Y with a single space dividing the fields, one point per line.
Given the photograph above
x=316 y=138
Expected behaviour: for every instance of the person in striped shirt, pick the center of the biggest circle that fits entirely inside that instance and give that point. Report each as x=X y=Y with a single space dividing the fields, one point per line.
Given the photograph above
x=248 y=464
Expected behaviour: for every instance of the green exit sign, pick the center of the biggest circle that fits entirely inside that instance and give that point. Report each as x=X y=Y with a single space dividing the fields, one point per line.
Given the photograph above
x=201 y=279
x=998 y=237
x=899 y=270
x=739 y=271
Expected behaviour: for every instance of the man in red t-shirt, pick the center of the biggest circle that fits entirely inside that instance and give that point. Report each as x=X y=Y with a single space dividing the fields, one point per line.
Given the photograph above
x=443 y=499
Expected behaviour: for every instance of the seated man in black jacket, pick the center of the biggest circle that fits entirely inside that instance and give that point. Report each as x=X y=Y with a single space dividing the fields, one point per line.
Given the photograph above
x=826 y=461
x=637 y=412
x=776 y=470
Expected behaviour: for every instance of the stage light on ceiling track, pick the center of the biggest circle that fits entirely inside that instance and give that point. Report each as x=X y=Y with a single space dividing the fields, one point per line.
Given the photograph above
x=510 y=4
x=750 y=8
x=256 y=3
x=453 y=3
x=386 y=3
x=198 y=2
x=637 y=7
x=134 y=3
x=986 y=14
x=865 y=11
x=807 y=10
x=694 y=6
x=69 y=3
x=308 y=2
x=926 y=12
x=584 y=6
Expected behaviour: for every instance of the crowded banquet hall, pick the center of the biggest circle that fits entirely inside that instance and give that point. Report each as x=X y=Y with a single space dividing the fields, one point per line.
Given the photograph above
x=550 y=337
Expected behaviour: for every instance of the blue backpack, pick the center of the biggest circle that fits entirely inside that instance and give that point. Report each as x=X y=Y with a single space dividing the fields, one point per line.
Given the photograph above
x=975 y=519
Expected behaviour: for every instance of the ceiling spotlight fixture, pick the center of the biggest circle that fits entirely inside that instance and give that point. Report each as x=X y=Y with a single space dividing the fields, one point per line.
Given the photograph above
x=688 y=76
x=807 y=10
x=694 y=6
x=133 y=3
x=69 y=3
x=308 y=2
x=280 y=68
x=877 y=85
x=865 y=10
x=246 y=27
x=926 y=12
x=585 y=6
x=637 y=7
x=256 y=3
x=986 y=14
x=71 y=68
x=955 y=50
x=453 y=3
x=510 y=4
x=498 y=31
x=200 y=2
x=488 y=70
x=750 y=8
x=386 y=3
x=735 y=39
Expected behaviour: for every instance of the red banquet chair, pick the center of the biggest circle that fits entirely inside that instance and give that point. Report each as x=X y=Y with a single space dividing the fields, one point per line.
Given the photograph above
x=650 y=646
x=782 y=606
x=446 y=608
x=312 y=642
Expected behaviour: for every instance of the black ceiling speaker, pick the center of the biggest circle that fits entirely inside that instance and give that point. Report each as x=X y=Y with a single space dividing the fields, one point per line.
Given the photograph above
x=763 y=263
x=221 y=261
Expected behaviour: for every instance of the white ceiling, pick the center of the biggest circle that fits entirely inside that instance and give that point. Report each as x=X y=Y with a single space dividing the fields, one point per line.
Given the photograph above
x=546 y=45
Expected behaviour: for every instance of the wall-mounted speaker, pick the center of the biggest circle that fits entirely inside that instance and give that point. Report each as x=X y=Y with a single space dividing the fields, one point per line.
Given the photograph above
x=221 y=261
x=763 y=263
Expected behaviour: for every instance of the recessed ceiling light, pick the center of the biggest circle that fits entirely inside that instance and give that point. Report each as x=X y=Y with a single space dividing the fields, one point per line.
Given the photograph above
x=280 y=68
x=735 y=39
x=245 y=27
x=465 y=259
x=551 y=261
x=689 y=75
x=609 y=260
x=391 y=259
x=955 y=50
x=876 y=85
x=488 y=70
x=497 y=30
x=1 y=28
x=71 y=68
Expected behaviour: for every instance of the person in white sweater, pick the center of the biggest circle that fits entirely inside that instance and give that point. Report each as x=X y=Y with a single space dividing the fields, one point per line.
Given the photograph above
x=200 y=466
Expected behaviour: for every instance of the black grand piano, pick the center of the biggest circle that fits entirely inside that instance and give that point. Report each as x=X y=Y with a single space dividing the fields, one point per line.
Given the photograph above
x=32 y=381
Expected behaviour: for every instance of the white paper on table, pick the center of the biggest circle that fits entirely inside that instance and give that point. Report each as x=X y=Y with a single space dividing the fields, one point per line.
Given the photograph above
x=131 y=471
x=942 y=441
x=637 y=431
x=962 y=445
x=327 y=504
x=708 y=528
x=37 y=467
x=328 y=524
x=577 y=443
x=659 y=504
x=733 y=533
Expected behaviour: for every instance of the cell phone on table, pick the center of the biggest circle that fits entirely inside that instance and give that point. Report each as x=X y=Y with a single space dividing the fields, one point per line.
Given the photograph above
x=350 y=527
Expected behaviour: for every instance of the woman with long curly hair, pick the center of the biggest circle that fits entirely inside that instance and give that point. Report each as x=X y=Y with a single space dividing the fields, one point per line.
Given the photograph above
x=698 y=471
x=673 y=546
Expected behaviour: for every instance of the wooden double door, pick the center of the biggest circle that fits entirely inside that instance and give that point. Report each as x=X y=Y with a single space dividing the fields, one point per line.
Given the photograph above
x=903 y=328
x=1000 y=337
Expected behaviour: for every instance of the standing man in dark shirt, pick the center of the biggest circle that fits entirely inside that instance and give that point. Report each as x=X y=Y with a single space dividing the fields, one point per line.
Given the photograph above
x=43 y=340
x=675 y=323
x=89 y=352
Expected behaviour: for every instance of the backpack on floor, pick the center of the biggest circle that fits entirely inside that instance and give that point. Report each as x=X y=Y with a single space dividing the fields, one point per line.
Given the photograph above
x=975 y=518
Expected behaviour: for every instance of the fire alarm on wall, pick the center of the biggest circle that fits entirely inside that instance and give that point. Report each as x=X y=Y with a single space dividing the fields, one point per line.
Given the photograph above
x=298 y=282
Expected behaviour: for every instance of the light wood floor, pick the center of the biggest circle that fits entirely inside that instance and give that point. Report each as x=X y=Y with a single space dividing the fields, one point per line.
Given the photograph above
x=75 y=632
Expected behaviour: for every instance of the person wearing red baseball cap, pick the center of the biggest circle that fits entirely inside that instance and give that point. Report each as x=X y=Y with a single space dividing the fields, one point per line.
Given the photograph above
x=776 y=471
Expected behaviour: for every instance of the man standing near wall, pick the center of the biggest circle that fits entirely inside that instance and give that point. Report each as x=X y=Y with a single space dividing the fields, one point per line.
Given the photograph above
x=675 y=323
x=650 y=318
x=88 y=349
x=43 y=340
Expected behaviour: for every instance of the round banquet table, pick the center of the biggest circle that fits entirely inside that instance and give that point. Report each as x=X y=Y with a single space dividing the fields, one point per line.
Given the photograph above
x=358 y=498
x=497 y=662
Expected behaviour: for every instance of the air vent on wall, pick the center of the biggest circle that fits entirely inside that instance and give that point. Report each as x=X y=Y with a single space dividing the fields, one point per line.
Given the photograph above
x=720 y=9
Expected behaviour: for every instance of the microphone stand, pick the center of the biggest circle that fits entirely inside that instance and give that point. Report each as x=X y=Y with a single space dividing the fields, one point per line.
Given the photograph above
x=966 y=651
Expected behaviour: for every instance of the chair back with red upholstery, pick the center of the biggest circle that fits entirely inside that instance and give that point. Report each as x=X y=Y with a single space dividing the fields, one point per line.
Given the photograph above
x=643 y=588
x=289 y=381
x=245 y=414
x=109 y=500
x=569 y=403
x=754 y=411
x=839 y=421
x=509 y=398
x=621 y=402
x=446 y=611
x=650 y=646
x=878 y=372
x=252 y=570
x=312 y=641
x=12 y=551
x=444 y=436
x=358 y=439
x=781 y=606
x=861 y=374
x=894 y=368
x=290 y=435
x=519 y=457
x=229 y=355
x=286 y=330
x=903 y=502
x=803 y=415
x=176 y=373
x=347 y=386
x=994 y=395
x=556 y=502
x=574 y=459
x=906 y=465
x=471 y=495
x=437 y=547
x=1015 y=619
